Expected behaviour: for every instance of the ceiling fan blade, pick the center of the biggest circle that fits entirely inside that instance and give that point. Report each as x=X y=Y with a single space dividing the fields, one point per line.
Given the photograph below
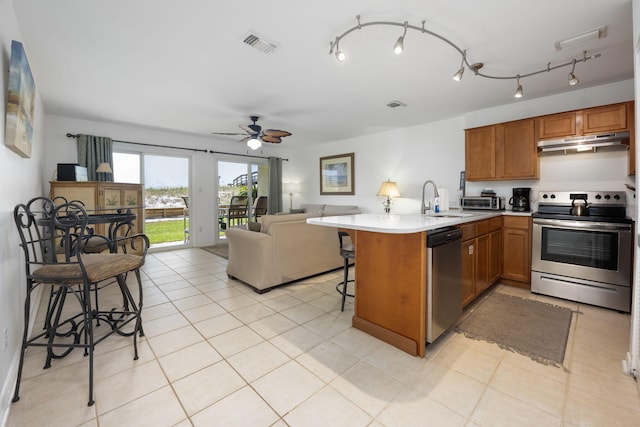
x=251 y=129
x=227 y=133
x=272 y=139
x=246 y=138
x=247 y=129
x=276 y=133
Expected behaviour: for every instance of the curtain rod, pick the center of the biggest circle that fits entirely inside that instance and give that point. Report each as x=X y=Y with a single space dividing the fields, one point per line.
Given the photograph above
x=70 y=135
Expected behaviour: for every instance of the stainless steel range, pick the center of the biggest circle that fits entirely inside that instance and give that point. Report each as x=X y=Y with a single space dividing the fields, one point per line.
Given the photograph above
x=582 y=248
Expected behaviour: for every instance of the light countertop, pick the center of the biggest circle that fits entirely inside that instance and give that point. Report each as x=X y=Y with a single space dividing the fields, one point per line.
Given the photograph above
x=400 y=223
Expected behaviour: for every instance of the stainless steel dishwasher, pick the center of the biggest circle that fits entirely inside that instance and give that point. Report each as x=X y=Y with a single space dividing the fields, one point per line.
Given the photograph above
x=444 y=280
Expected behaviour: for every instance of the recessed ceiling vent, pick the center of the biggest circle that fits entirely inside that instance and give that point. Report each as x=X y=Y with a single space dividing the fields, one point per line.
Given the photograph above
x=260 y=43
x=396 y=104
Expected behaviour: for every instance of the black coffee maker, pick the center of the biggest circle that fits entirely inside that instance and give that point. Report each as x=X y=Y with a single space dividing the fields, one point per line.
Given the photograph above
x=520 y=199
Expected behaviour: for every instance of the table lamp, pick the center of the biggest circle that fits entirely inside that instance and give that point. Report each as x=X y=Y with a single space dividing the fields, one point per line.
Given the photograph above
x=104 y=168
x=291 y=187
x=388 y=189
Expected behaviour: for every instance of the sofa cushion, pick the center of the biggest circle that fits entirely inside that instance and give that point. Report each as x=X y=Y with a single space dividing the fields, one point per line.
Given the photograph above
x=312 y=209
x=254 y=226
x=339 y=208
x=340 y=212
x=267 y=220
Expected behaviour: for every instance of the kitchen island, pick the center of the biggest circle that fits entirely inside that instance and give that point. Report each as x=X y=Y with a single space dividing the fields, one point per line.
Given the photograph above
x=391 y=271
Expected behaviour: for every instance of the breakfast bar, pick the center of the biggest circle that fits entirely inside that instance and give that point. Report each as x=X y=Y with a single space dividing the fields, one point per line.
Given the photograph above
x=391 y=272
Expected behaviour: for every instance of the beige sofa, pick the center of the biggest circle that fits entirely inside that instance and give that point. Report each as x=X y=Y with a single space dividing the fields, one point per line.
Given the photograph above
x=285 y=248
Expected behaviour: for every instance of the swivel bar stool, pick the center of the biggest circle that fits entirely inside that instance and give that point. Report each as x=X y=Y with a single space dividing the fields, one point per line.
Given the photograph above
x=347 y=252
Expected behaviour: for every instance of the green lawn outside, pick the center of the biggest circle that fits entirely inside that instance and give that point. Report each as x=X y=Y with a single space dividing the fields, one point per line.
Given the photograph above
x=165 y=231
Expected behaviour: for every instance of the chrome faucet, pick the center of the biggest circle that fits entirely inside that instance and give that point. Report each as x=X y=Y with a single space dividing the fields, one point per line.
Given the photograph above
x=424 y=207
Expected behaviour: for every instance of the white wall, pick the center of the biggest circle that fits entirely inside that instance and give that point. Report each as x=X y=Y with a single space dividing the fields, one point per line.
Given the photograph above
x=435 y=151
x=20 y=180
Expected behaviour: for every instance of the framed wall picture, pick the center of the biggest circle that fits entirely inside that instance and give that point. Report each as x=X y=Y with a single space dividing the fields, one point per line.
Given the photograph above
x=337 y=175
x=20 y=103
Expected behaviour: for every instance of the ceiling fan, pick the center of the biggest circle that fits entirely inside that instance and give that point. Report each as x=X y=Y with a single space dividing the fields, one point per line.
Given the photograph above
x=254 y=135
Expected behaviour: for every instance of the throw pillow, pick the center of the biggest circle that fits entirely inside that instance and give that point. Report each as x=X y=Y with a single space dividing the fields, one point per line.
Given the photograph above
x=254 y=226
x=295 y=211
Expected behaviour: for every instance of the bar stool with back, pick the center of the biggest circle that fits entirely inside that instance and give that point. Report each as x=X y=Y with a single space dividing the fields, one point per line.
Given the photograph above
x=348 y=253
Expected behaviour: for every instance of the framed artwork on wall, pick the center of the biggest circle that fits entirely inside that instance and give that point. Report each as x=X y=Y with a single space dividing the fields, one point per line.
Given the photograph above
x=337 y=175
x=20 y=103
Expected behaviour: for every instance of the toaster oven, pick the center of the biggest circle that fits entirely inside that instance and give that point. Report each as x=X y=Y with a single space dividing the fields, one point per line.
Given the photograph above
x=491 y=203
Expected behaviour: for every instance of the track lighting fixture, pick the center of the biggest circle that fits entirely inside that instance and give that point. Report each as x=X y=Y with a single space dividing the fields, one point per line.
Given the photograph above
x=573 y=80
x=399 y=46
x=475 y=67
x=518 y=93
x=254 y=143
x=458 y=75
x=340 y=55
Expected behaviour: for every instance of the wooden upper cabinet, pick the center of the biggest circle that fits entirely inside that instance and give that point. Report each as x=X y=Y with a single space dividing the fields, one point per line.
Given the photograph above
x=560 y=125
x=609 y=118
x=480 y=149
x=517 y=152
x=501 y=152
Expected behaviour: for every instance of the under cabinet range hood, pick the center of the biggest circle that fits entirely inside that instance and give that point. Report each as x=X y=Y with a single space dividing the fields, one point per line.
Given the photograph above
x=615 y=141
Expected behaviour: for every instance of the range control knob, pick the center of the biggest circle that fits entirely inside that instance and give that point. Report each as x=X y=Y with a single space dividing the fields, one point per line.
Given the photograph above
x=617 y=197
x=607 y=197
x=544 y=196
x=553 y=196
x=598 y=197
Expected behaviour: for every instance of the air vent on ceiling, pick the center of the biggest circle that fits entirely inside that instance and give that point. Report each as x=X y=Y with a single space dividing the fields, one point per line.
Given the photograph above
x=395 y=104
x=260 y=43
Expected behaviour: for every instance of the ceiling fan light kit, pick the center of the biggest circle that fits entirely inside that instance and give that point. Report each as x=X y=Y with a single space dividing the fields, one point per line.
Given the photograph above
x=398 y=48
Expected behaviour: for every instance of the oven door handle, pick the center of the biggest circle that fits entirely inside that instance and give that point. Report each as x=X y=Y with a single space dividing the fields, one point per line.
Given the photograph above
x=582 y=225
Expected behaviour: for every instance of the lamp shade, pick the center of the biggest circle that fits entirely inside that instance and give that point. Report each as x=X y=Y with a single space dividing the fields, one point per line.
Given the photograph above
x=104 y=167
x=389 y=189
x=291 y=187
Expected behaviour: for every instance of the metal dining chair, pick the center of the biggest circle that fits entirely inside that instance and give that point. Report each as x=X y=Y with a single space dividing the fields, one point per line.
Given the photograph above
x=45 y=228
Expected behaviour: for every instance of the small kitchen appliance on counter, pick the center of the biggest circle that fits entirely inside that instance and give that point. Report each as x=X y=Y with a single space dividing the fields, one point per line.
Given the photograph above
x=582 y=244
x=520 y=199
x=490 y=203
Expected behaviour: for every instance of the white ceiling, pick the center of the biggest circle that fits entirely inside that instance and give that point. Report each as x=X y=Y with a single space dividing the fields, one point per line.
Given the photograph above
x=181 y=65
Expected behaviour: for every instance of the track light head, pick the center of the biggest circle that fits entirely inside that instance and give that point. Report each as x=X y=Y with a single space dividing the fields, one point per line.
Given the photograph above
x=340 y=55
x=519 y=92
x=458 y=75
x=573 y=80
x=399 y=46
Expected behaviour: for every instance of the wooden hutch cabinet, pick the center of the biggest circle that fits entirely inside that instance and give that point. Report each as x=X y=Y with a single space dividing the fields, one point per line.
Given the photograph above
x=105 y=197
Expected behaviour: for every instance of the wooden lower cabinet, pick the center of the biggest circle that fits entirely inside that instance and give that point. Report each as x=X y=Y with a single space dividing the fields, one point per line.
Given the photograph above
x=468 y=271
x=481 y=255
x=516 y=240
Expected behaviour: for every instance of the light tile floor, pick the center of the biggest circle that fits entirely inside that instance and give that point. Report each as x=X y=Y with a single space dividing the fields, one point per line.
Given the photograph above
x=217 y=353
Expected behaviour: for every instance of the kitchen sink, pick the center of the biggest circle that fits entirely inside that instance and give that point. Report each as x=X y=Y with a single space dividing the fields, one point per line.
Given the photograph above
x=450 y=215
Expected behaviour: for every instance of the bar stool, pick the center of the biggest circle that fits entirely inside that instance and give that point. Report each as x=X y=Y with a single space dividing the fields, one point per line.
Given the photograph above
x=347 y=252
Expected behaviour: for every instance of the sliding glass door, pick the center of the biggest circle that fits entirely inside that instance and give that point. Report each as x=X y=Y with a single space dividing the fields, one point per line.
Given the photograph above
x=166 y=194
x=242 y=193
